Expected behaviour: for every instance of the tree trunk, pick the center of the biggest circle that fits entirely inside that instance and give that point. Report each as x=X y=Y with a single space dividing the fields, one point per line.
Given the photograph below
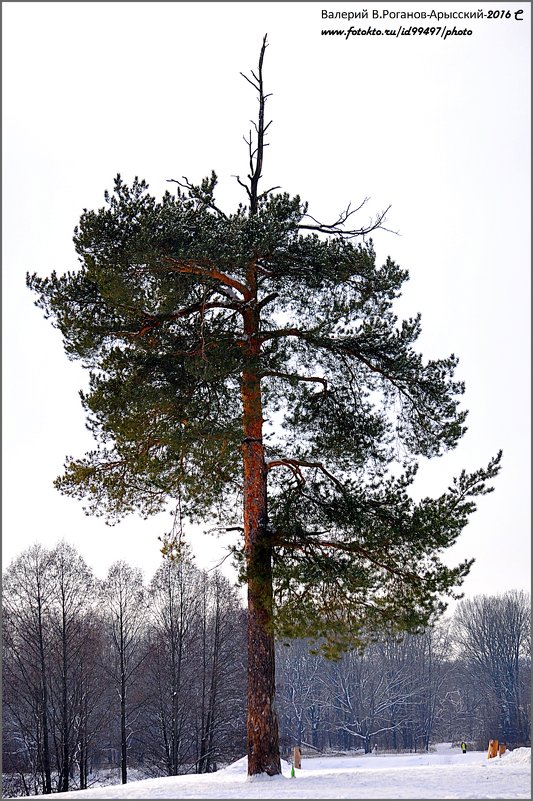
x=47 y=789
x=65 y=769
x=262 y=726
x=83 y=760
x=203 y=726
x=123 y=732
x=208 y=716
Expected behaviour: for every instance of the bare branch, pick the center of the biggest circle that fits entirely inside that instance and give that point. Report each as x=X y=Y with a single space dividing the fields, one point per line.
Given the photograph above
x=221 y=561
x=256 y=155
x=343 y=216
x=268 y=191
x=337 y=228
x=246 y=78
x=241 y=183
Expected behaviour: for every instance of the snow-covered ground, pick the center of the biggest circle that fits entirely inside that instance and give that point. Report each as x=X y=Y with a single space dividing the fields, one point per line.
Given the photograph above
x=445 y=773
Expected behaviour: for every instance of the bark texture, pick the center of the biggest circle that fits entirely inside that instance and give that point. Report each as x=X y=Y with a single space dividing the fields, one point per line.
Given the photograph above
x=262 y=726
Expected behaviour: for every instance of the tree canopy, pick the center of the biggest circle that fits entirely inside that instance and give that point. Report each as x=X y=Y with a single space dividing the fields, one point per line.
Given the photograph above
x=156 y=311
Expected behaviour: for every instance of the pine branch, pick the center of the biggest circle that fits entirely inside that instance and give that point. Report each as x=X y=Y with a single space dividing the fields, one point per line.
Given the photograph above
x=294 y=468
x=197 y=194
x=151 y=322
x=294 y=377
x=267 y=299
x=297 y=463
x=206 y=269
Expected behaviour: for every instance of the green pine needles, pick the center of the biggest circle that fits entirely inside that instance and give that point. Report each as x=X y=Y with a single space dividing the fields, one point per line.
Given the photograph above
x=155 y=312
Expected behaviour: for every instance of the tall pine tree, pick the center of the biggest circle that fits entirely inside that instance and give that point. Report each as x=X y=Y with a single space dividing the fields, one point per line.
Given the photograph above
x=254 y=358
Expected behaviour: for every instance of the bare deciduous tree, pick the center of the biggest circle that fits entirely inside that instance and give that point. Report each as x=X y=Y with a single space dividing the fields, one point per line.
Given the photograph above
x=493 y=636
x=124 y=602
x=27 y=598
x=72 y=608
x=175 y=613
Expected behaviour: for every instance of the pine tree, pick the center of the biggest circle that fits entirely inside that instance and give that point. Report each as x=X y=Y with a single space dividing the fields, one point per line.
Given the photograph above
x=254 y=358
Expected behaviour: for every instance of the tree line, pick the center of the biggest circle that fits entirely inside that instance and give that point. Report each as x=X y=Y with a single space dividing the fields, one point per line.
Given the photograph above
x=119 y=675
x=467 y=677
x=116 y=673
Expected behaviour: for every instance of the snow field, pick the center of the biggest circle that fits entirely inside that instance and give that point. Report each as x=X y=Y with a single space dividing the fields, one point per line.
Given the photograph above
x=445 y=774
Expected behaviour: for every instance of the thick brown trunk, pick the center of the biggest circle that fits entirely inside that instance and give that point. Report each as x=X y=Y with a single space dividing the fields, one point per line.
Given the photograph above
x=262 y=726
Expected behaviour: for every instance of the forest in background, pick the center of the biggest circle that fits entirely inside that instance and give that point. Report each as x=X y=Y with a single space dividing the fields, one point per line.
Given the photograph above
x=118 y=679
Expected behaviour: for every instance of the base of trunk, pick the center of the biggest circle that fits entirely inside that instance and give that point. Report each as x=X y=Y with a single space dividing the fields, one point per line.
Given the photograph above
x=262 y=722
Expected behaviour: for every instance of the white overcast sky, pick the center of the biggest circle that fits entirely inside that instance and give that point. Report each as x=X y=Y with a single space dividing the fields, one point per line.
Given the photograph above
x=438 y=128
